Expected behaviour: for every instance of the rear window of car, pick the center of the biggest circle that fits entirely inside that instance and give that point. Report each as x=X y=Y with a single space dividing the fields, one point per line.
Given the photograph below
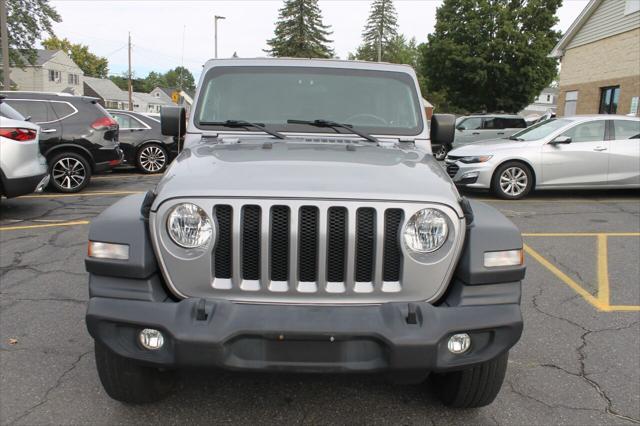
x=8 y=112
x=513 y=123
x=62 y=109
x=626 y=129
x=37 y=111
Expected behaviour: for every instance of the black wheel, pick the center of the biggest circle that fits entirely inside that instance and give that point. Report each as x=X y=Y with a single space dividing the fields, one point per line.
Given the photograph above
x=512 y=181
x=152 y=158
x=126 y=381
x=69 y=172
x=471 y=388
x=441 y=152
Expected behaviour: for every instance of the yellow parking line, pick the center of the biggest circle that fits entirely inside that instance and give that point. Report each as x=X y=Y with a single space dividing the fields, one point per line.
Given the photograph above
x=565 y=279
x=82 y=194
x=582 y=234
x=603 y=270
x=47 y=225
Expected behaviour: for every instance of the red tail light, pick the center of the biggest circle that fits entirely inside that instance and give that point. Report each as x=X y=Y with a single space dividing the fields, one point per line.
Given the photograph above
x=17 y=134
x=104 y=123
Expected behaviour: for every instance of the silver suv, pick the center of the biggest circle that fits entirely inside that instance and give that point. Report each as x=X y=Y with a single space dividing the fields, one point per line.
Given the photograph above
x=305 y=227
x=22 y=168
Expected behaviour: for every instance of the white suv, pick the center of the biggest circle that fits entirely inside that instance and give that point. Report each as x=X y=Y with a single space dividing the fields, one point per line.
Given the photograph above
x=22 y=168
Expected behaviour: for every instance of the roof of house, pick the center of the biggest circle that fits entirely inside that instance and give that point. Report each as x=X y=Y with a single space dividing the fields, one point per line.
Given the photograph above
x=148 y=98
x=44 y=56
x=106 y=89
x=558 y=50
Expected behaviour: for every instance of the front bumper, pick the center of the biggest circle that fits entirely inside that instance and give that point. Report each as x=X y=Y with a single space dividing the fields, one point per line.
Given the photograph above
x=474 y=175
x=304 y=338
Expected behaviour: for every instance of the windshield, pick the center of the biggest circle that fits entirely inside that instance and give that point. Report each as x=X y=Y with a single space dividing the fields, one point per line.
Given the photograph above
x=540 y=130
x=379 y=102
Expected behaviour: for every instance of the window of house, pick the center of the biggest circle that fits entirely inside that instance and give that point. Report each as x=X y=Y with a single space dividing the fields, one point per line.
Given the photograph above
x=631 y=6
x=548 y=98
x=626 y=129
x=587 y=132
x=609 y=97
x=570 y=102
x=54 y=76
x=73 y=79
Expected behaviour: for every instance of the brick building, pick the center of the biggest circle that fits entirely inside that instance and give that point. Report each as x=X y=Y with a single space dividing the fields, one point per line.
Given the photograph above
x=600 y=60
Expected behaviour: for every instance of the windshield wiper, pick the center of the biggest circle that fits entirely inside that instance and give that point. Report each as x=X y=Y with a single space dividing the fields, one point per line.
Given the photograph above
x=334 y=125
x=243 y=123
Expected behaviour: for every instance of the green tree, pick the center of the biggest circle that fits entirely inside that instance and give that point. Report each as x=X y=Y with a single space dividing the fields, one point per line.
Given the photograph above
x=92 y=65
x=153 y=80
x=380 y=32
x=27 y=20
x=122 y=81
x=180 y=78
x=300 y=32
x=490 y=54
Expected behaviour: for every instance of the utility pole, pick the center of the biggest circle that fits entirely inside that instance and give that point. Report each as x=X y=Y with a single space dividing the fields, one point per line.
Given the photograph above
x=184 y=30
x=215 y=34
x=130 y=86
x=6 y=80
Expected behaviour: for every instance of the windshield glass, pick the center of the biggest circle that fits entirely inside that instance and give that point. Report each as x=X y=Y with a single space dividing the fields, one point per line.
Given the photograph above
x=540 y=130
x=373 y=101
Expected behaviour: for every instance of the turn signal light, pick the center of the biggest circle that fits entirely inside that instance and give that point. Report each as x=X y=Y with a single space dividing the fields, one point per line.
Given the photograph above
x=100 y=250
x=494 y=259
x=18 y=134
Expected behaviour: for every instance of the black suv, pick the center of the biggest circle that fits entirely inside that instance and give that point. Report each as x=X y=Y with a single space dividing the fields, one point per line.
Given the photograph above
x=143 y=144
x=78 y=137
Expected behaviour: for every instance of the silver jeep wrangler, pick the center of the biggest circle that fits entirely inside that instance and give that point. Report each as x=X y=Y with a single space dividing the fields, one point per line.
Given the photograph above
x=305 y=227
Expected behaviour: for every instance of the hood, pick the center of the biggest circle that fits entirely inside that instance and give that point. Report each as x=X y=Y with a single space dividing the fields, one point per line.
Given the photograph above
x=286 y=169
x=487 y=147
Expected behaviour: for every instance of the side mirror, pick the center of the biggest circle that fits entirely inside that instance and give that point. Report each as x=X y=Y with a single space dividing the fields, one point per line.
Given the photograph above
x=173 y=121
x=561 y=140
x=443 y=129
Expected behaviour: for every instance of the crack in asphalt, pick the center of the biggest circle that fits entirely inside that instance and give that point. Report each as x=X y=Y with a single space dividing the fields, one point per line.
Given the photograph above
x=582 y=360
x=57 y=384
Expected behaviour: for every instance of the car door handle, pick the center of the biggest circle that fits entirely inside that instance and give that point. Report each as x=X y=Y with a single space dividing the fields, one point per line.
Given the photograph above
x=500 y=133
x=600 y=148
x=48 y=130
x=475 y=133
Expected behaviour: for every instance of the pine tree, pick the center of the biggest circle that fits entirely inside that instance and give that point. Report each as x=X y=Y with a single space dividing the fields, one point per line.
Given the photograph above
x=380 y=32
x=300 y=32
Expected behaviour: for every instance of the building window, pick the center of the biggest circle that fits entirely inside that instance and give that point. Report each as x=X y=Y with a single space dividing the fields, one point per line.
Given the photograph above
x=609 y=97
x=73 y=79
x=570 y=101
x=54 y=76
x=631 y=6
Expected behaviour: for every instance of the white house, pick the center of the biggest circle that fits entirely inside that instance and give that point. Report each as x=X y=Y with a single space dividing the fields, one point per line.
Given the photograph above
x=53 y=71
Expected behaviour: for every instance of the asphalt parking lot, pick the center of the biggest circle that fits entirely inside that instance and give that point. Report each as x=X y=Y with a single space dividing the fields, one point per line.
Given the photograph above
x=577 y=363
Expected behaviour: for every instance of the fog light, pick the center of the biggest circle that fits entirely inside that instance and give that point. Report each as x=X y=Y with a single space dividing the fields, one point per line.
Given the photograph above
x=470 y=175
x=151 y=339
x=459 y=343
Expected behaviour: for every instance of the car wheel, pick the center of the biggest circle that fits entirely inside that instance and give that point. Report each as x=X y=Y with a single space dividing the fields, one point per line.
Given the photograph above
x=152 y=158
x=127 y=381
x=441 y=152
x=512 y=181
x=475 y=387
x=69 y=172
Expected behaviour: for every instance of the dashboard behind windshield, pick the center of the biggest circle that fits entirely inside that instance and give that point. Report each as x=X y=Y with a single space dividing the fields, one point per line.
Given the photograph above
x=380 y=102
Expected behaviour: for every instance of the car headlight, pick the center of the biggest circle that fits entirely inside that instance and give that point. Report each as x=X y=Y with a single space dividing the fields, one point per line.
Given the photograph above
x=476 y=159
x=426 y=231
x=189 y=226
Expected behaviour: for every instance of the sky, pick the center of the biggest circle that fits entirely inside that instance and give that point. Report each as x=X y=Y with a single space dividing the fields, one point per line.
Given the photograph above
x=160 y=29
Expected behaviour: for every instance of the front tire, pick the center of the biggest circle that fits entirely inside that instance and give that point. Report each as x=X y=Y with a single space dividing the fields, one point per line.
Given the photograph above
x=152 y=158
x=474 y=387
x=69 y=172
x=512 y=181
x=127 y=381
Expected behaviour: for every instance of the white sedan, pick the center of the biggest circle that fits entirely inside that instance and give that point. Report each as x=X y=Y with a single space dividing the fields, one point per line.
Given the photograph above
x=597 y=151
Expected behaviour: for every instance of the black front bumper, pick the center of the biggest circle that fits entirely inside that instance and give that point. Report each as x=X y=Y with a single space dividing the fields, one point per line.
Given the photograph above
x=304 y=338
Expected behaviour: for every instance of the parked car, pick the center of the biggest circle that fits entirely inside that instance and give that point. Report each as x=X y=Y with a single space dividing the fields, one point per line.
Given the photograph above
x=143 y=144
x=478 y=127
x=580 y=152
x=323 y=240
x=77 y=137
x=22 y=168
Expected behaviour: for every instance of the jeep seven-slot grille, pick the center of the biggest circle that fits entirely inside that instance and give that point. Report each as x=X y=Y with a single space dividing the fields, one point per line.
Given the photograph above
x=307 y=237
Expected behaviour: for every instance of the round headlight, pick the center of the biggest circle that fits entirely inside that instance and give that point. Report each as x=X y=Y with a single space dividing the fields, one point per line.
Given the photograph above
x=426 y=231
x=189 y=226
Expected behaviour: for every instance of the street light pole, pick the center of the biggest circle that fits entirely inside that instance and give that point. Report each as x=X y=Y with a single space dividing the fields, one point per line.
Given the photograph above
x=215 y=34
